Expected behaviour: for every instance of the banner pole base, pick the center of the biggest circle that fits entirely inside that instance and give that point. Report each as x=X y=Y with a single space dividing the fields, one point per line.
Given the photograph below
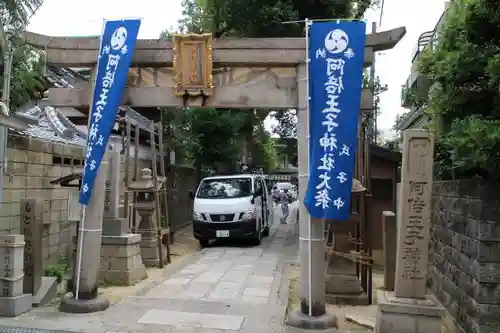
x=299 y=319
x=71 y=305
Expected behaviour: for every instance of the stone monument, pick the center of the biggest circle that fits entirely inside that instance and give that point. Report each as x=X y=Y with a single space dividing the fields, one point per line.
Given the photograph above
x=31 y=210
x=409 y=309
x=121 y=262
x=43 y=288
x=13 y=301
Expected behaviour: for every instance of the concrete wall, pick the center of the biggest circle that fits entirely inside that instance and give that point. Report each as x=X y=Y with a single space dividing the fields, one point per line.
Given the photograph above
x=464 y=265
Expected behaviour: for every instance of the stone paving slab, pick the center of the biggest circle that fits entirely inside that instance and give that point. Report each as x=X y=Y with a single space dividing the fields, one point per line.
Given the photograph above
x=192 y=319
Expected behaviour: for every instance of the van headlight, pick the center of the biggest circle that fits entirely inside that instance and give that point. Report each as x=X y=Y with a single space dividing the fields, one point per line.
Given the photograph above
x=248 y=215
x=197 y=217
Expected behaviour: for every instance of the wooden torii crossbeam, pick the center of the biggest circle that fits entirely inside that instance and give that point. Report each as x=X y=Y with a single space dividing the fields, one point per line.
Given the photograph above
x=248 y=73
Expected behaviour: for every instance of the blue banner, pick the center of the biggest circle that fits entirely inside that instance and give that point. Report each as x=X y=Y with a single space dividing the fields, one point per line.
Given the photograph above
x=336 y=52
x=115 y=54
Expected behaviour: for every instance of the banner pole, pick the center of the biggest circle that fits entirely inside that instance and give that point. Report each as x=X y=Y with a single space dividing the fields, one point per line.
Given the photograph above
x=79 y=252
x=82 y=222
x=308 y=60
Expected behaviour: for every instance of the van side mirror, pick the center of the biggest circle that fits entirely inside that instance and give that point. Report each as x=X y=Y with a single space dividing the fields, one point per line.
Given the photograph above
x=191 y=195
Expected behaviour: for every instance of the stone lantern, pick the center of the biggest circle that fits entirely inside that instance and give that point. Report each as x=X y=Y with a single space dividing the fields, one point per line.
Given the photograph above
x=152 y=250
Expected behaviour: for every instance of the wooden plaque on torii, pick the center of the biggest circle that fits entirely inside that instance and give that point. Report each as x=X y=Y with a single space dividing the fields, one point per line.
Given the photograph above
x=193 y=64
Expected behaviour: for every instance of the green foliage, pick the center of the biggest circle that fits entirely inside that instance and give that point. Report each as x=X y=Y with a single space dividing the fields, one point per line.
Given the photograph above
x=465 y=65
x=264 y=18
x=15 y=14
x=473 y=147
x=287 y=123
x=26 y=65
x=27 y=72
x=264 y=152
x=207 y=137
x=59 y=269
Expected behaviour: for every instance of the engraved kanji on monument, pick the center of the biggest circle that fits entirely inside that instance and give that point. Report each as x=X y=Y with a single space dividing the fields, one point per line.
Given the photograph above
x=11 y=270
x=414 y=214
x=32 y=226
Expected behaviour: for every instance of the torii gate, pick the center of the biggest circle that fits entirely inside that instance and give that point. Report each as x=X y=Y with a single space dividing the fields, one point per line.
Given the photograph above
x=226 y=73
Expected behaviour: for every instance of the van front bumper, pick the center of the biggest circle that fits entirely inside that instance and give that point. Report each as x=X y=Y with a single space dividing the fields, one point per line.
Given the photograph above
x=240 y=229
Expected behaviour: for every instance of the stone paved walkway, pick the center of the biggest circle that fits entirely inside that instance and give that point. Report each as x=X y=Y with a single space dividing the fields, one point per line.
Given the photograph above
x=224 y=289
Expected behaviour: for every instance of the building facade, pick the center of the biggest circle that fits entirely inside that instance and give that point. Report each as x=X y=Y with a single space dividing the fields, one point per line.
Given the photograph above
x=415 y=91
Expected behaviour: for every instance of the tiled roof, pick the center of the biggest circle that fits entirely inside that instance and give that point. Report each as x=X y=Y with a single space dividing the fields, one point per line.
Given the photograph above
x=50 y=125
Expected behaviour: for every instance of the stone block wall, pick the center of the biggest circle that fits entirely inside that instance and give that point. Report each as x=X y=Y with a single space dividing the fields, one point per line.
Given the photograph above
x=180 y=181
x=464 y=265
x=32 y=165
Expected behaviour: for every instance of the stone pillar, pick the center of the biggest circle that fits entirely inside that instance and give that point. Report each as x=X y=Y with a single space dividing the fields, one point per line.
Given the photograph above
x=88 y=298
x=389 y=233
x=408 y=309
x=32 y=224
x=121 y=262
x=320 y=319
x=112 y=224
x=43 y=288
x=13 y=301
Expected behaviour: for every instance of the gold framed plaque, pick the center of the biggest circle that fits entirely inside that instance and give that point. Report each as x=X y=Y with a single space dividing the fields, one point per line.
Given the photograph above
x=193 y=64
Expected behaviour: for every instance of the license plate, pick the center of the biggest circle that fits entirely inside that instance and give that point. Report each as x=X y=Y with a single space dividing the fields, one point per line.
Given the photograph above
x=222 y=233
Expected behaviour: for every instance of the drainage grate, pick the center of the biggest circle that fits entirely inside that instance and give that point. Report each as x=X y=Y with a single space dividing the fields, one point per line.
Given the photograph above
x=9 y=329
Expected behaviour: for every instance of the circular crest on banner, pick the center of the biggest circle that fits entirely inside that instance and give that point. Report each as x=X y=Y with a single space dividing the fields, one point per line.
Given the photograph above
x=119 y=38
x=336 y=41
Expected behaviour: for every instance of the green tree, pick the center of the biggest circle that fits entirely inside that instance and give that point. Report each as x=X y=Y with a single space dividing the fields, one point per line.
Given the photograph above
x=287 y=123
x=15 y=14
x=264 y=152
x=27 y=68
x=465 y=66
x=265 y=18
x=27 y=75
x=207 y=137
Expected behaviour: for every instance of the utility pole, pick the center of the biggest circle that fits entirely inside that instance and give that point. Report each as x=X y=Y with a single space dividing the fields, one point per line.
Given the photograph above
x=372 y=119
x=5 y=102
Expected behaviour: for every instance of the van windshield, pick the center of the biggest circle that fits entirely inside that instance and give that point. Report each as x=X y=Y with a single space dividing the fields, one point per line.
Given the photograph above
x=224 y=188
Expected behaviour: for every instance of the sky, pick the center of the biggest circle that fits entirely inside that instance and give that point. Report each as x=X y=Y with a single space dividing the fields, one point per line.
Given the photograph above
x=66 y=18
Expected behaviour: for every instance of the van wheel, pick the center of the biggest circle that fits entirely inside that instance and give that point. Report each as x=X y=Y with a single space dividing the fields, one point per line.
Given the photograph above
x=203 y=242
x=257 y=239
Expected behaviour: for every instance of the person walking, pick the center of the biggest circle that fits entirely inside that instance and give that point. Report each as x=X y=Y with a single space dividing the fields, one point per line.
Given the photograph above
x=285 y=199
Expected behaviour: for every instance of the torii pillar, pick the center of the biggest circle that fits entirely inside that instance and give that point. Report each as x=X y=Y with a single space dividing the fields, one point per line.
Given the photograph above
x=312 y=313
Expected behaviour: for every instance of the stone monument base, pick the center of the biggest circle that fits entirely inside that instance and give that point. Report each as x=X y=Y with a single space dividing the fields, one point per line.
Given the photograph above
x=71 y=305
x=300 y=320
x=114 y=226
x=15 y=305
x=407 y=315
x=149 y=251
x=344 y=289
x=47 y=291
x=121 y=262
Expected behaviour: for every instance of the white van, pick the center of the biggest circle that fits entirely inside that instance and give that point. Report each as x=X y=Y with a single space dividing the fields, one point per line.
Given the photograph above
x=231 y=207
